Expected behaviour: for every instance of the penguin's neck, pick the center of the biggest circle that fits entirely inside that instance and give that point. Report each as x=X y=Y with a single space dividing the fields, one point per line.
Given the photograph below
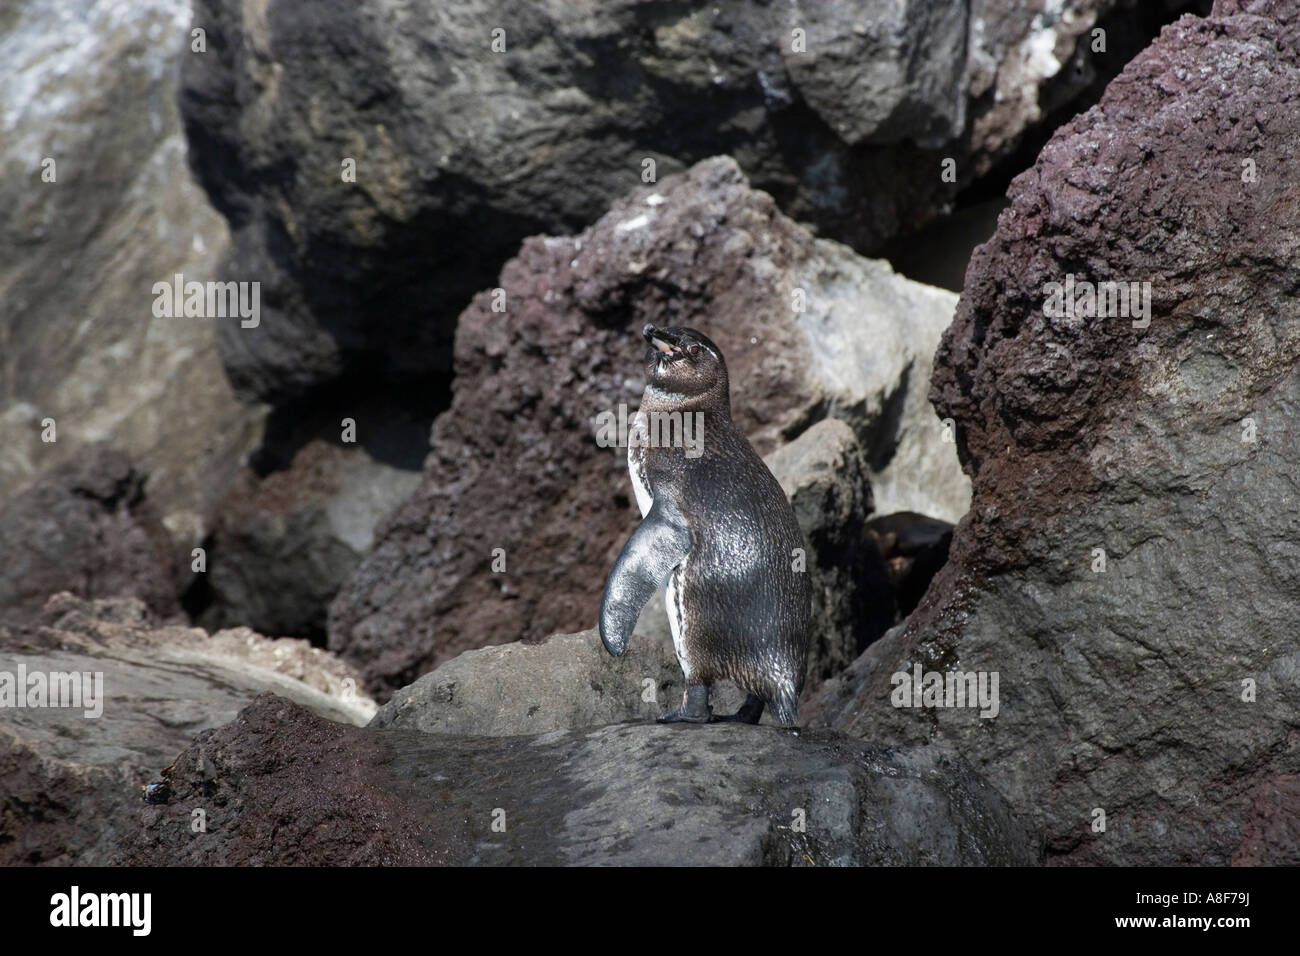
x=715 y=402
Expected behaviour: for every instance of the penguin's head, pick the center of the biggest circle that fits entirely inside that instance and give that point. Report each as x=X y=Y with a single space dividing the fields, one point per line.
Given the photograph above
x=683 y=361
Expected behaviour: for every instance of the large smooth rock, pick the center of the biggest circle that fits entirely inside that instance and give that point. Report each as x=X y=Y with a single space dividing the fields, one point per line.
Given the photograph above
x=70 y=784
x=281 y=786
x=843 y=111
x=93 y=88
x=86 y=527
x=1162 y=687
x=514 y=464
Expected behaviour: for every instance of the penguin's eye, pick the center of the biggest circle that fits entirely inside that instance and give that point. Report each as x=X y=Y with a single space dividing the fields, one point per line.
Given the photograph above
x=693 y=349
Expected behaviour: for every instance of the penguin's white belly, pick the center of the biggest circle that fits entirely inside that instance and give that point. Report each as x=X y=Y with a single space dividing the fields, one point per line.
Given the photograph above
x=638 y=437
x=673 y=601
x=636 y=446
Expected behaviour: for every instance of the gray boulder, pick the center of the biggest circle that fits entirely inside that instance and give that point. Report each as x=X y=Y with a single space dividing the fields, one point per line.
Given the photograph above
x=883 y=73
x=79 y=255
x=470 y=128
x=566 y=682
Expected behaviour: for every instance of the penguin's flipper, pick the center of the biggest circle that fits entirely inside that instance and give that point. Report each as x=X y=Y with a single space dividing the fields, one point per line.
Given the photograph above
x=660 y=543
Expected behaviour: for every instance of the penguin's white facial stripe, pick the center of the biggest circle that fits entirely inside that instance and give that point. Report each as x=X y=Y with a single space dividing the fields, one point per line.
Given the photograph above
x=636 y=464
x=675 y=604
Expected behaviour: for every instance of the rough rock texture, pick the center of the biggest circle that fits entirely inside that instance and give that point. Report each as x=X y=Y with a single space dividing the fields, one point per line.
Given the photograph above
x=1272 y=831
x=282 y=545
x=515 y=464
x=462 y=149
x=281 y=786
x=96 y=93
x=85 y=527
x=1162 y=689
x=69 y=784
x=883 y=73
x=79 y=342
x=1027 y=62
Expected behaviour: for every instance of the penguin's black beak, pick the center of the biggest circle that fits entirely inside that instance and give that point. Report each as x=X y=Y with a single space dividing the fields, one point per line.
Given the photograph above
x=661 y=339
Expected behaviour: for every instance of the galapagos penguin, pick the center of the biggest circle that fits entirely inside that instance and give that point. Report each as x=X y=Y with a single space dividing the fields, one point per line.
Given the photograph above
x=718 y=533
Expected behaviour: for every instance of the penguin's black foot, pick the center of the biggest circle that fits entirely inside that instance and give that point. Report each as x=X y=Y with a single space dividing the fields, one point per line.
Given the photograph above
x=695 y=707
x=751 y=711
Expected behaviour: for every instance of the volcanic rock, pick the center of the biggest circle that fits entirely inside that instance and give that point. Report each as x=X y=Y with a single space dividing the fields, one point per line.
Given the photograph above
x=85 y=527
x=281 y=786
x=1129 y=567
x=379 y=161
x=99 y=205
x=70 y=784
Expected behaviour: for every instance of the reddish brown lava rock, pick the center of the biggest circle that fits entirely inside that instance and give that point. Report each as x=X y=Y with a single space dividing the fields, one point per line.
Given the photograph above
x=1129 y=567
